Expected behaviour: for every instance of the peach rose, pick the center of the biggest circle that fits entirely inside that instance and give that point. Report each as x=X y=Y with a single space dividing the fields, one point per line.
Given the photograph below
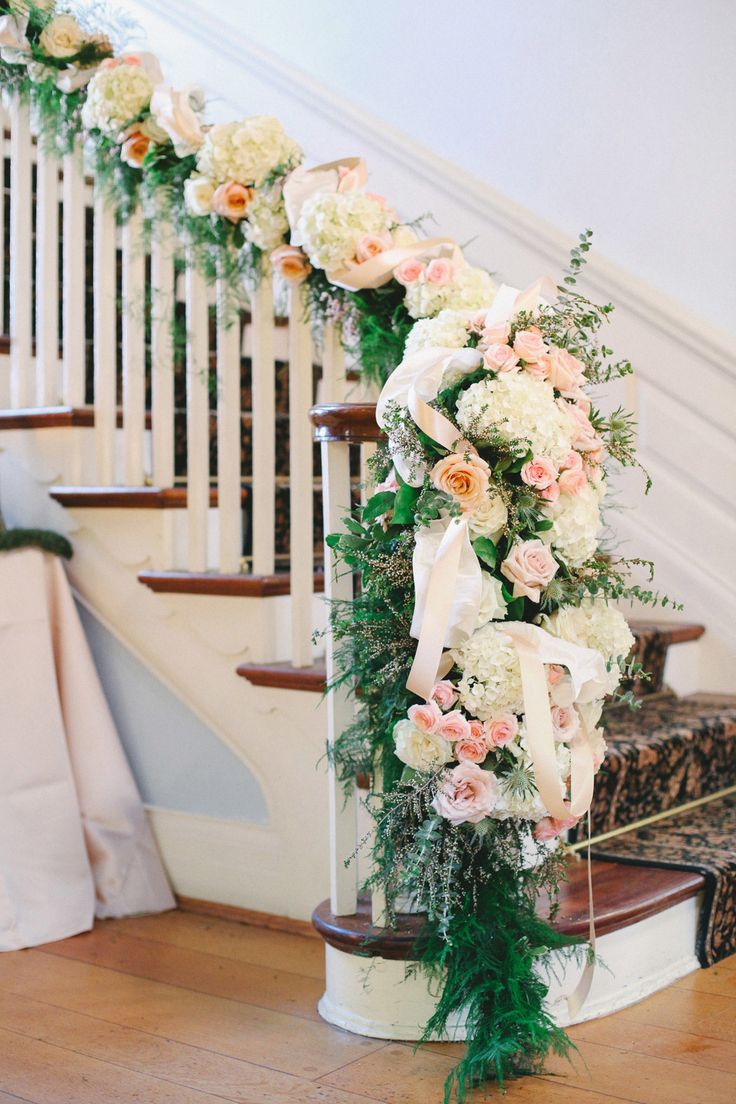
x=566 y=372
x=444 y=694
x=477 y=730
x=439 y=271
x=529 y=345
x=555 y=673
x=501 y=730
x=349 y=179
x=572 y=482
x=549 y=828
x=497 y=334
x=370 y=245
x=408 y=272
x=471 y=749
x=232 y=200
x=540 y=369
x=530 y=566
x=500 y=358
x=467 y=795
x=134 y=149
x=539 y=473
x=425 y=717
x=291 y=263
x=453 y=726
x=464 y=476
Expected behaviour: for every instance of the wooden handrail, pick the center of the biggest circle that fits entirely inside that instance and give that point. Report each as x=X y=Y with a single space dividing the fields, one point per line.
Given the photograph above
x=351 y=423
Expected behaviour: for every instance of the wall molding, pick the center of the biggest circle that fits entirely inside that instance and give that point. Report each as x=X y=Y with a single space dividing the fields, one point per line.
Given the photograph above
x=654 y=307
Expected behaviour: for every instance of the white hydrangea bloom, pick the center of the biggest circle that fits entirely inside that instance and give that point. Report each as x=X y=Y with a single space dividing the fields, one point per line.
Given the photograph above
x=267 y=226
x=449 y=330
x=517 y=406
x=576 y=525
x=332 y=223
x=594 y=624
x=247 y=150
x=491 y=679
x=115 y=95
x=470 y=289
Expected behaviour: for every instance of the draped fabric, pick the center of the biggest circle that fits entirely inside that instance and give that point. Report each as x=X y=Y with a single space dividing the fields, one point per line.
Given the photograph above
x=74 y=841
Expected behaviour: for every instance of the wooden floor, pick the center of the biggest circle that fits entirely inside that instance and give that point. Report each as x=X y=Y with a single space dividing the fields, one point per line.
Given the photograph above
x=185 y=1009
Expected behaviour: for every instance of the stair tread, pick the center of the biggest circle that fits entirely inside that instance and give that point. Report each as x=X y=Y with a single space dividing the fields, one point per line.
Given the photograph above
x=147 y=498
x=284 y=676
x=210 y=582
x=623 y=895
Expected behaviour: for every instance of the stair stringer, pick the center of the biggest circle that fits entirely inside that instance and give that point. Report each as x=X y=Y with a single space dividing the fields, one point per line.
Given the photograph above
x=280 y=735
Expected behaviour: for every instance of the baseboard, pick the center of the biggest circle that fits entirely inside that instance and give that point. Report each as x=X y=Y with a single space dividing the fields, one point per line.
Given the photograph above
x=252 y=917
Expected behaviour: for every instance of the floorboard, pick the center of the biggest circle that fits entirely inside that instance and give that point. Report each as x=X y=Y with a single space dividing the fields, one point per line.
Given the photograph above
x=190 y=1009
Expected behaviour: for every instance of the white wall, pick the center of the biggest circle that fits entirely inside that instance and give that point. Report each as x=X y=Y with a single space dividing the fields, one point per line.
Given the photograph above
x=617 y=116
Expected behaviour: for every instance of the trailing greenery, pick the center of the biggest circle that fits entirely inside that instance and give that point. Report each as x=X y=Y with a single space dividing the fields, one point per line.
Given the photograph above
x=45 y=539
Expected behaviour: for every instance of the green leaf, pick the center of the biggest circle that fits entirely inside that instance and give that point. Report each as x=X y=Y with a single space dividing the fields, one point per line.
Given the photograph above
x=332 y=540
x=378 y=505
x=543 y=525
x=485 y=550
x=353 y=526
x=515 y=609
x=405 y=504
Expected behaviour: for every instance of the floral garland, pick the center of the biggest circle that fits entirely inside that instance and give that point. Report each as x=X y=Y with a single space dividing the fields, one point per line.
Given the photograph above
x=223 y=186
x=468 y=823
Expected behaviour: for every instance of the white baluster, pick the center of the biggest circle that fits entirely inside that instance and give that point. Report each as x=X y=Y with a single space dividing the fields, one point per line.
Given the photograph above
x=333 y=383
x=105 y=339
x=301 y=491
x=134 y=351
x=4 y=124
x=73 y=275
x=162 y=354
x=21 y=390
x=263 y=429
x=229 y=513
x=47 y=278
x=343 y=810
x=198 y=414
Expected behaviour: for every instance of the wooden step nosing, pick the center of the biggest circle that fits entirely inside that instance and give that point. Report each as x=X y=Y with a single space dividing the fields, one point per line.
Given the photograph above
x=128 y=498
x=213 y=584
x=283 y=676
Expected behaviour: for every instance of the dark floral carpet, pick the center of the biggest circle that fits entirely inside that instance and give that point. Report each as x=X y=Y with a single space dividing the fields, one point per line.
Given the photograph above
x=702 y=839
x=670 y=751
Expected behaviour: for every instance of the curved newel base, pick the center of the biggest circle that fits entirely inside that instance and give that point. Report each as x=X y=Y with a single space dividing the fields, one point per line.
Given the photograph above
x=372 y=995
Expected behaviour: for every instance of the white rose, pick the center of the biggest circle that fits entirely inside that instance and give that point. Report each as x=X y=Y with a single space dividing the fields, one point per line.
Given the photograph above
x=14 y=45
x=62 y=37
x=489 y=519
x=421 y=750
x=492 y=604
x=175 y=114
x=198 y=193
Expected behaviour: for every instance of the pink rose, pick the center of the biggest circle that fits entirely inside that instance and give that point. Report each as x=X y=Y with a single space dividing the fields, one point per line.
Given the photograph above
x=555 y=673
x=471 y=749
x=467 y=795
x=540 y=369
x=584 y=435
x=349 y=179
x=440 y=271
x=572 y=462
x=539 y=473
x=232 y=200
x=549 y=828
x=425 y=717
x=497 y=334
x=529 y=345
x=477 y=730
x=390 y=483
x=370 y=245
x=444 y=694
x=530 y=566
x=476 y=323
x=500 y=358
x=291 y=263
x=572 y=482
x=551 y=493
x=501 y=730
x=565 y=721
x=453 y=726
x=567 y=374
x=408 y=272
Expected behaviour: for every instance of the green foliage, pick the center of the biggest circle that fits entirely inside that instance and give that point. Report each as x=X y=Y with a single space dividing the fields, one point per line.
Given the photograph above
x=35 y=538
